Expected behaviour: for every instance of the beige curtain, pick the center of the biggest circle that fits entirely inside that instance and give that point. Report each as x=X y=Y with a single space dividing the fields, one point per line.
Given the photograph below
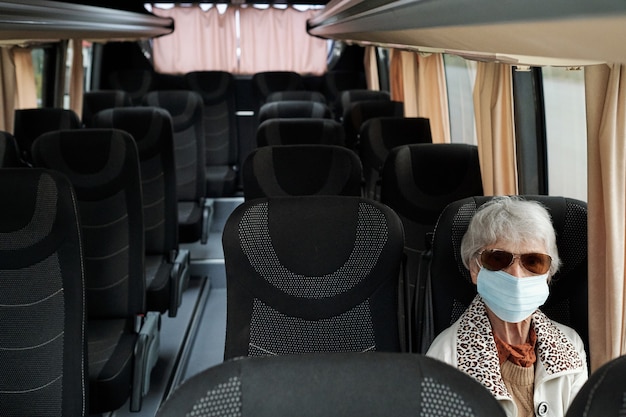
x=7 y=89
x=432 y=97
x=77 y=76
x=25 y=78
x=291 y=47
x=493 y=108
x=371 y=68
x=201 y=41
x=605 y=87
x=420 y=83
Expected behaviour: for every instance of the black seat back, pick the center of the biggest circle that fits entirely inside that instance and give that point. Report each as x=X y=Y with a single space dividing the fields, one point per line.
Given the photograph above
x=273 y=171
x=136 y=82
x=333 y=385
x=359 y=112
x=293 y=109
x=309 y=274
x=31 y=123
x=380 y=135
x=300 y=131
x=42 y=331
x=9 y=152
x=94 y=101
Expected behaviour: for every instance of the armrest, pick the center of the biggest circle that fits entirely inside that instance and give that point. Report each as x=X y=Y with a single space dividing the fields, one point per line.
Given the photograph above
x=179 y=279
x=146 y=356
x=207 y=218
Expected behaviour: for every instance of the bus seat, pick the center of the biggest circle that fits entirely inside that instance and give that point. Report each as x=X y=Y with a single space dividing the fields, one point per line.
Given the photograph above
x=332 y=385
x=122 y=336
x=136 y=82
x=194 y=210
x=94 y=101
x=285 y=170
x=293 y=109
x=359 y=112
x=381 y=134
x=42 y=331
x=603 y=393
x=336 y=81
x=418 y=181
x=30 y=123
x=311 y=274
x=266 y=82
x=296 y=95
x=217 y=89
x=348 y=97
x=451 y=286
x=9 y=153
x=167 y=266
x=300 y=131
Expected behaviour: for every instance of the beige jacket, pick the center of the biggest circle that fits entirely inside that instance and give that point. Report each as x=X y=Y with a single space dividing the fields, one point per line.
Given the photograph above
x=560 y=371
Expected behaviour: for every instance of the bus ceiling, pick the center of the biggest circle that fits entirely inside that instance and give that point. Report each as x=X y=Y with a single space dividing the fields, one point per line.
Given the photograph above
x=529 y=32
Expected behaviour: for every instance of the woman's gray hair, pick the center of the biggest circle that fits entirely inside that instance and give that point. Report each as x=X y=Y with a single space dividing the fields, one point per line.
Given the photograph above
x=510 y=219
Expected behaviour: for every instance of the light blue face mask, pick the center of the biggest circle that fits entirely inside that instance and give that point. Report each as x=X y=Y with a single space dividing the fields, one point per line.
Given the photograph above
x=510 y=298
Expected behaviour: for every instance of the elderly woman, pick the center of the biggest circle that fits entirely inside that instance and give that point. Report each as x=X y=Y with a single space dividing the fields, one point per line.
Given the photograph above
x=531 y=364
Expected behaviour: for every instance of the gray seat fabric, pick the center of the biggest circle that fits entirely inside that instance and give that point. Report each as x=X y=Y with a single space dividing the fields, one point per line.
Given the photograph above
x=217 y=89
x=30 y=123
x=9 y=152
x=42 y=331
x=293 y=109
x=311 y=274
x=167 y=266
x=186 y=109
x=273 y=171
x=266 y=82
x=418 y=182
x=103 y=167
x=136 y=82
x=296 y=95
x=94 y=101
x=332 y=385
x=380 y=135
x=357 y=113
x=603 y=393
x=300 y=131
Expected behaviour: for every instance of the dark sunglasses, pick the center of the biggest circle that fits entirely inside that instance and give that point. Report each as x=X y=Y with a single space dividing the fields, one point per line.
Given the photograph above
x=496 y=260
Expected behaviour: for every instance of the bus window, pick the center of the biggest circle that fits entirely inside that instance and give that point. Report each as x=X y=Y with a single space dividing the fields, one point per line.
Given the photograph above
x=460 y=76
x=566 y=131
x=38 y=60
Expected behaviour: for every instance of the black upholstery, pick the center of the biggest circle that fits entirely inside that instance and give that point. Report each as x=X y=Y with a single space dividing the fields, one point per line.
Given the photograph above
x=293 y=109
x=296 y=95
x=186 y=109
x=42 y=330
x=167 y=266
x=420 y=180
x=332 y=385
x=604 y=392
x=9 y=152
x=359 y=112
x=285 y=170
x=103 y=167
x=351 y=96
x=136 y=82
x=452 y=289
x=30 y=123
x=94 y=101
x=300 y=131
x=381 y=134
x=266 y=82
x=309 y=274
x=217 y=89
x=337 y=81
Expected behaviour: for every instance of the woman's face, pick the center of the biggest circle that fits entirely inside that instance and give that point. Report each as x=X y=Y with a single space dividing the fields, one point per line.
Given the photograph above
x=516 y=269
